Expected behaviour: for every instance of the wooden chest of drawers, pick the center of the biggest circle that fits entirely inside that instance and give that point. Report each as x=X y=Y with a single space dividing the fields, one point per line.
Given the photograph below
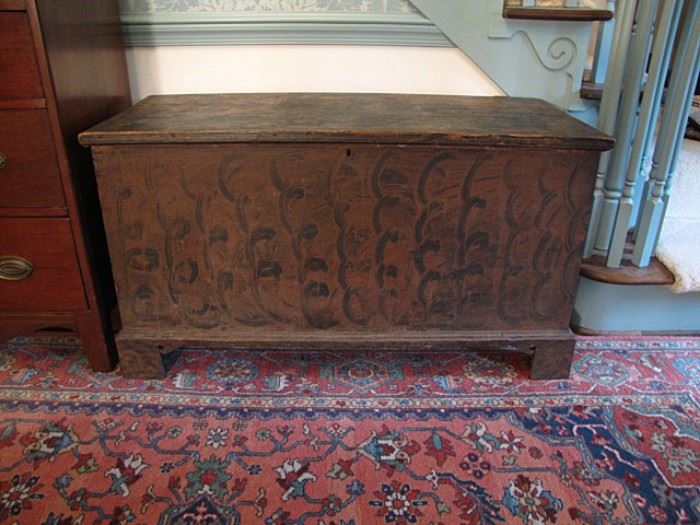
x=62 y=69
x=345 y=221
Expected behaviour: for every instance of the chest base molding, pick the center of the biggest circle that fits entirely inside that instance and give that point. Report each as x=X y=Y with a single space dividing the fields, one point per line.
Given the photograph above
x=143 y=356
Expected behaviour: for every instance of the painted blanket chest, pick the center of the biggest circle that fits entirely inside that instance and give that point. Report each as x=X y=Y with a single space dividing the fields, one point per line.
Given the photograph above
x=350 y=221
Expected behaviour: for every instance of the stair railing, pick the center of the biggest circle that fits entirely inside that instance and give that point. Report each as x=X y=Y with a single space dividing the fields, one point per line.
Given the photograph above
x=651 y=42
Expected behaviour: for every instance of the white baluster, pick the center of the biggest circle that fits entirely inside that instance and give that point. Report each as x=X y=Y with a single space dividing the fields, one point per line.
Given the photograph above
x=608 y=113
x=664 y=34
x=685 y=73
x=656 y=105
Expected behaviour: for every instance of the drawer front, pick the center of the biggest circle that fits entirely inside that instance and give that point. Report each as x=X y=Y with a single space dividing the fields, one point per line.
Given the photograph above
x=29 y=175
x=39 y=267
x=19 y=73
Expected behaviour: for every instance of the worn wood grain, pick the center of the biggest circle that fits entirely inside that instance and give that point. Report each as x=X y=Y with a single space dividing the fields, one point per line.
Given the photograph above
x=552 y=359
x=338 y=117
x=17 y=59
x=13 y=324
x=143 y=359
x=144 y=353
x=345 y=221
x=34 y=212
x=30 y=178
x=656 y=273
x=55 y=284
x=12 y=5
x=22 y=103
x=343 y=237
x=561 y=14
x=361 y=245
x=81 y=46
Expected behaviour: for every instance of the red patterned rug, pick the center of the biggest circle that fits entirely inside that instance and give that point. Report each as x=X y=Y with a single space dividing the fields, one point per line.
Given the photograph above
x=326 y=438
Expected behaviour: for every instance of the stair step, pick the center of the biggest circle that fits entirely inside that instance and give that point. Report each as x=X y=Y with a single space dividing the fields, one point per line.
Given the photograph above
x=570 y=14
x=591 y=90
x=656 y=273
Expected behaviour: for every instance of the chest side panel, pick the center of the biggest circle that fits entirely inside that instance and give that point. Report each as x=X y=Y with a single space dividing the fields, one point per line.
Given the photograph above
x=291 y=237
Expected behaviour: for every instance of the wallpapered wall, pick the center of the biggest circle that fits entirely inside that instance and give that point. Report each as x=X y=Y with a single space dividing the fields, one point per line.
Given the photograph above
x=266 y=6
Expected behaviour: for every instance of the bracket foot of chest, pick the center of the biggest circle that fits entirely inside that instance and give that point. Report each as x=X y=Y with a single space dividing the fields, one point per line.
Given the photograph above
x=552 y=359
x=145 y=358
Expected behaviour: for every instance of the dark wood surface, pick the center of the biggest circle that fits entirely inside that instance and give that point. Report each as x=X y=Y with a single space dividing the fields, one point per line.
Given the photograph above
x=253 y=241
x=18 y=67
x=35 y=212
x=55 y=282
x=562 y=14
x=144 y=359
x=22 y=103
x=15 y=324
x=337 y=117
x=87 y=33
x=75 y=46
x=343 y=237
x=552 y=359
x=591 y=90
x=30 y=177
x=12 y=5
x=141 y=353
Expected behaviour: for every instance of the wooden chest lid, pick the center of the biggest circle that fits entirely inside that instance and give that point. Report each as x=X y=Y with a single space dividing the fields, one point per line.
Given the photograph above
x=342 y=117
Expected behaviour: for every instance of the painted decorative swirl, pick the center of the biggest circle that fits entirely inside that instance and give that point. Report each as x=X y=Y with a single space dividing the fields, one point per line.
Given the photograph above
x=344 y=237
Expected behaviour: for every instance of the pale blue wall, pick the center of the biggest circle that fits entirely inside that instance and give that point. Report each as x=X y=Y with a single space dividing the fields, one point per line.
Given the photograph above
x=602 y=307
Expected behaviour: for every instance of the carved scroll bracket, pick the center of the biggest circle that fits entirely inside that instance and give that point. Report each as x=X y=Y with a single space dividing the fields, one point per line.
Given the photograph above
x=554 y=52
x=526 y=58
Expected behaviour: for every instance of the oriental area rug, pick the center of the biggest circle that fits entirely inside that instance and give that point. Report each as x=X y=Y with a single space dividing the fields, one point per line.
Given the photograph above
x=334 y=438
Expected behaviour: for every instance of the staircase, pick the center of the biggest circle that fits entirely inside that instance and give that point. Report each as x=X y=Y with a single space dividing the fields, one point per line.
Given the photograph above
x=530 y=49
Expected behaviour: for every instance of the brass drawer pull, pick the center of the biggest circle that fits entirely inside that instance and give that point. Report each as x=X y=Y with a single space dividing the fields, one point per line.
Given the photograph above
x=13 y=268
x=3 y=160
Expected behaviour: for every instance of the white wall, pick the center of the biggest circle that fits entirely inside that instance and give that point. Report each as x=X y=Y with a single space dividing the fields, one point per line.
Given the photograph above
x=275 y=68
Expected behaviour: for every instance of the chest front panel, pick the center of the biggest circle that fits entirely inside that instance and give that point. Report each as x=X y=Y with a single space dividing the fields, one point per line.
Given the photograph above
x=343 y=237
